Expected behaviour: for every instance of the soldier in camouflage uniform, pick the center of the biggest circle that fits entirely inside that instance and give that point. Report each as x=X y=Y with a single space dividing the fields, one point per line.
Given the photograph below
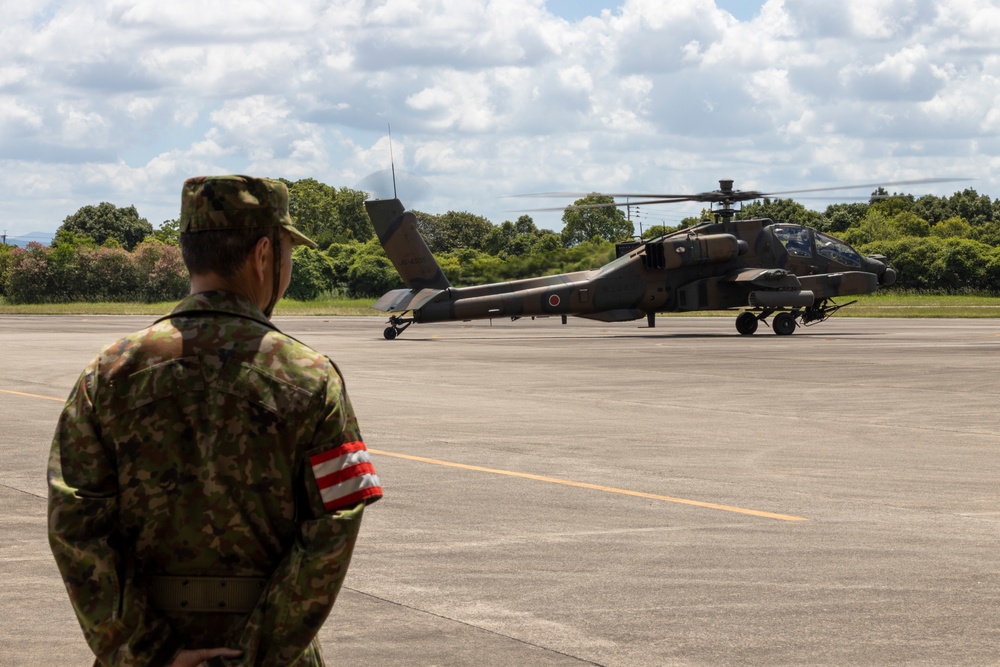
x=207 y=476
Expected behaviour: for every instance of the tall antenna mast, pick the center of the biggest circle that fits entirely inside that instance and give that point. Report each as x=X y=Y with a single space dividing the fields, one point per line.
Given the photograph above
x=392 y=163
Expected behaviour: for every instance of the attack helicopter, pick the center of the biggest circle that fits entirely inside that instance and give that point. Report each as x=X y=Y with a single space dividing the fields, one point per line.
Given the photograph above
x=767 y=268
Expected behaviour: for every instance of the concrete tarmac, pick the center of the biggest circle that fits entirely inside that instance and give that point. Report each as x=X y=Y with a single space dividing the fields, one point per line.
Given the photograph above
x=611 y=494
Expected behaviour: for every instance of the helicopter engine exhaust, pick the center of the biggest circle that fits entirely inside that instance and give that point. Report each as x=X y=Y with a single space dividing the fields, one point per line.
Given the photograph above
x=693 y=250
x=781 y=299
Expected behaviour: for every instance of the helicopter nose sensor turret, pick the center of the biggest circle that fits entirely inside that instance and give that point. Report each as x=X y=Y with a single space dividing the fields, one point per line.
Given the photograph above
x=880 y=266
x=887 y=278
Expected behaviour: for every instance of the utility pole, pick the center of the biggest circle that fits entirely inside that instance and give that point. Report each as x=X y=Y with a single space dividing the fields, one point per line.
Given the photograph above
x=4 y=235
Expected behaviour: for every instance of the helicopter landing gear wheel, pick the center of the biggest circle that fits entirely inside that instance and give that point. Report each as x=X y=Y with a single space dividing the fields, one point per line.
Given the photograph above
x=746 y=323
x=783 y=324
x=397 y=325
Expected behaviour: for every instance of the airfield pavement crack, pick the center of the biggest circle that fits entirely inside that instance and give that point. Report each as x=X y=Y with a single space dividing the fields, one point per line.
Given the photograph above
x=474 y=627
x=28 y=493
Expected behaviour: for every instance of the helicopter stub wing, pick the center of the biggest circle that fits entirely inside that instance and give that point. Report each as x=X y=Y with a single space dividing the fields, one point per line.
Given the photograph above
x=772 y=288
x=765 y=278
x=827 y=285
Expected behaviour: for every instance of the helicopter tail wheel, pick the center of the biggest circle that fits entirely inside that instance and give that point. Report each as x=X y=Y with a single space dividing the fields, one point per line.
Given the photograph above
x=397 y=325
x=746 y=323
x=783 y=324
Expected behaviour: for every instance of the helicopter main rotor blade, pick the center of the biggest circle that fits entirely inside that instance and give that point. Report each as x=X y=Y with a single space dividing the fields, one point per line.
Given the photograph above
x=737 y=194
x=579 y=195
x=578 y=207
x=572 y=207
x=918 y=181
x=725 y=197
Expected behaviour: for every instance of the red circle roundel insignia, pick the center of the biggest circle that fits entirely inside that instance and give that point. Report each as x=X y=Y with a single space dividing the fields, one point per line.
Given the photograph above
x=554 y=300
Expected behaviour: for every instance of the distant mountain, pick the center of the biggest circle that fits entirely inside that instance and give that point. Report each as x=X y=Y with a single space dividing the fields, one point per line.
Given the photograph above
x=45 y=238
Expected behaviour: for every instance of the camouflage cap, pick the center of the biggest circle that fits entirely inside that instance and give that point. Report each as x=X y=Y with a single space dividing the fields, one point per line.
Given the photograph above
x=234 y=202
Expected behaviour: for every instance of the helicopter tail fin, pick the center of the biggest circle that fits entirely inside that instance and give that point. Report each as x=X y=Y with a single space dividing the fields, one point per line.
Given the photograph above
x=397 y=231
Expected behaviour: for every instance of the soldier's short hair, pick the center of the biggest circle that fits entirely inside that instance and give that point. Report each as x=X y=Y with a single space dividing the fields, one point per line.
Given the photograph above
x=223 y=217
x=219 y=251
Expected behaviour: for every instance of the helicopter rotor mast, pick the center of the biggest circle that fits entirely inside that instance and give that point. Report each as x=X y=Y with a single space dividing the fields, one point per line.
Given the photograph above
x=725 y=197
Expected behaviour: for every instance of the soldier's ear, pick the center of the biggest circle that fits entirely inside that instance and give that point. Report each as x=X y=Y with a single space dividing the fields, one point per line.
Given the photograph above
x=260 y=260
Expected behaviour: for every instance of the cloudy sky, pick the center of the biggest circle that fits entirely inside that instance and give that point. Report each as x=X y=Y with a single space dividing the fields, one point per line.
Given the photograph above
x=121 y=100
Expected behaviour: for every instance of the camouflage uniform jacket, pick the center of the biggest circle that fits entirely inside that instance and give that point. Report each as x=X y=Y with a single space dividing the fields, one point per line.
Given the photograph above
x=209 y=444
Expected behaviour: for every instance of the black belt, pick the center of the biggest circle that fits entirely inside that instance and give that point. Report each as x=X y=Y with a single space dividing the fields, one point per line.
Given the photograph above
x=235 y=595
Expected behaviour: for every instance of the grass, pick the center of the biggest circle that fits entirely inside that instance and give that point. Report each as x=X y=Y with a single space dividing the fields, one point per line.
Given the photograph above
x=338 y=306
x=923 y=305
x=897 y=305
x=872 y=305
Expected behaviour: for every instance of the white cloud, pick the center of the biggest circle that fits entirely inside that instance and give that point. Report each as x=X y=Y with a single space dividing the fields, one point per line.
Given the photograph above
x=121 y=100
x=16 y=118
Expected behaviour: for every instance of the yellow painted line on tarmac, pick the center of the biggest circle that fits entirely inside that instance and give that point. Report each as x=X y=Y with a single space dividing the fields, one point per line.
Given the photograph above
x=21 y=393
x=540 y=478
x=593 y=487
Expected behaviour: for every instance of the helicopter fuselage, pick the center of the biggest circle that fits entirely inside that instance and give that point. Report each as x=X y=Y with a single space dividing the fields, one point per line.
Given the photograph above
x=712 y=266
x=767 y=268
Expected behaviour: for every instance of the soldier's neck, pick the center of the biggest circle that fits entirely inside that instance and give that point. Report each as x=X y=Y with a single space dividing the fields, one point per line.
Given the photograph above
x=255 y=290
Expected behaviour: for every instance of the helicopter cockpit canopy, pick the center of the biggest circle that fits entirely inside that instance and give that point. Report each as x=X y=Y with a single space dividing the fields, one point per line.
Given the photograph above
x=837 y=251
x=795 y=239
x=805 y=243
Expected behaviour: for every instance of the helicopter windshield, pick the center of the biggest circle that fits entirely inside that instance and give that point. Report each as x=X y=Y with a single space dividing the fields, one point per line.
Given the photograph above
x=837 y=251
x=795 y=239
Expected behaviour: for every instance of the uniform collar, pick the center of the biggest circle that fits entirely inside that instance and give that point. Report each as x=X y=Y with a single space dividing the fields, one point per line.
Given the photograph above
x=218 y=301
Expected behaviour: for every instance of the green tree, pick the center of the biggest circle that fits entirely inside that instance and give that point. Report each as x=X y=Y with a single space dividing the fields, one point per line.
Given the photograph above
x=169 y=232
x=312 y=274
x=838 y=218
x=548 y=242
x=525 y=224
x=692 y=220
x=106 y=221
x=514 y=239
x=954 y=227
x=454 y=230
x=657 y=230
x=975 y=208
x=313 y=207
x=341 y=257
x=600 y=221
x=988 y=232
x=30 y=275
x=328 y=215
x=961 y=266
x=66 y=241
x=875 y=226
x=993 y=272
x=105 y=274
x=6 y=252
x=891 y=205
x=933 y=263
x=372 y=276
x=353 y=216
x=932 y=209
x=910 y=224
x=70 y=274
x=500 y=238
x=780 y=210
x=163 y=276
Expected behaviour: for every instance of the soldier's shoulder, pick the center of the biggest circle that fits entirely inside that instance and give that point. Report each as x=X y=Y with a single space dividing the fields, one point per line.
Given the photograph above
x=297 y=362
x=124 y=355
